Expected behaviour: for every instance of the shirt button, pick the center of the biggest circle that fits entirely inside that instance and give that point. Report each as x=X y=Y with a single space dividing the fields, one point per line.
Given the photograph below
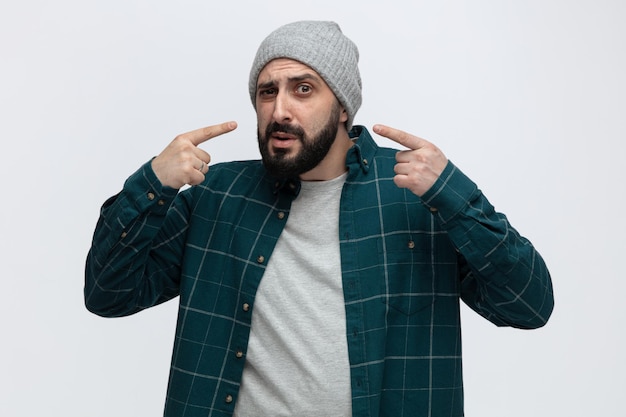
x=161 y=202
x=123 y=235
x=260 y=259
x=280 y=215
x=151 y=196
x=364 y=161
x=239 y=354
x=411 y=244
x=246 y=307
x=228 y=399
x=433 y=209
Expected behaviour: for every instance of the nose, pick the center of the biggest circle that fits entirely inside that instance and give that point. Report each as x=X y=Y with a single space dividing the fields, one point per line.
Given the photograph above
x=282 y=108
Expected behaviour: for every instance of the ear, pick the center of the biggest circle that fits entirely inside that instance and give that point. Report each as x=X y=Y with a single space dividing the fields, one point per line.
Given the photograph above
x=344 y=116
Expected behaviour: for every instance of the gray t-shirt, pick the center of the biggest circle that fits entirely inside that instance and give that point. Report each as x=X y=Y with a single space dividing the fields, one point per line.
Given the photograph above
x=297 y=360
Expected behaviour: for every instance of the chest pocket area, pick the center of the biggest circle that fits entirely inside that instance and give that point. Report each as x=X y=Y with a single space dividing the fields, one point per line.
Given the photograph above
x=408 y=279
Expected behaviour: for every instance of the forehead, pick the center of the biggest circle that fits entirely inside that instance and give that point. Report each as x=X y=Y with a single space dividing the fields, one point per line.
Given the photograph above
x=285 y=68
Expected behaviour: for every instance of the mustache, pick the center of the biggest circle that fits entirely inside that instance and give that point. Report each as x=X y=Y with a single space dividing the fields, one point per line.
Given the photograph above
x=284 y=128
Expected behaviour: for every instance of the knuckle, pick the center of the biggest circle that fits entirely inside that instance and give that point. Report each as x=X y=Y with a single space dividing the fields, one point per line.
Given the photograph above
x=180 y=138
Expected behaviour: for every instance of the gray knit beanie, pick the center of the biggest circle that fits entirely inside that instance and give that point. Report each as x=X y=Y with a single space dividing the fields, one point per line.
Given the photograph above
x=321 y=46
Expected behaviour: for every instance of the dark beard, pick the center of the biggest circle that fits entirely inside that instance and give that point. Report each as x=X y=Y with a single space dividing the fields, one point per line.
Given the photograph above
x=313 y=150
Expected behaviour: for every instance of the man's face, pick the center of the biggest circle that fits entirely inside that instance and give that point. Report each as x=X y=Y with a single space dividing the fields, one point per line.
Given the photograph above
x=298 y=117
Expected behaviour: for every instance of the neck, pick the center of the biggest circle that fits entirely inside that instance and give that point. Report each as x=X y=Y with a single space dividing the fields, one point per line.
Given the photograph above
x=334 y=164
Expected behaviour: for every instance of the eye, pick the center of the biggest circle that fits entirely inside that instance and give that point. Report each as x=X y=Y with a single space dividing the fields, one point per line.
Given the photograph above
x=267 y=92
x=304 y=89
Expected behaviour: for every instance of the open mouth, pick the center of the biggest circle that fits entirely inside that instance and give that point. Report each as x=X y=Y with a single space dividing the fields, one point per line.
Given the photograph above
x=283 y=140
x=283 y=136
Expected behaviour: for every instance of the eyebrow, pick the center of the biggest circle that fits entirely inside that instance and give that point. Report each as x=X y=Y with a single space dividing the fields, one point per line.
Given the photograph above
x=297 y=78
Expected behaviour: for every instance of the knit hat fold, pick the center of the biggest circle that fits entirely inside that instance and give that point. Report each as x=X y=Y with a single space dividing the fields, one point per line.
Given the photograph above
x=321 y=46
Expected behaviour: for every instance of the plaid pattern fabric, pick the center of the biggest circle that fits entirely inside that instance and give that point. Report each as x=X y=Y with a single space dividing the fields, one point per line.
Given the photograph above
x=406 y=263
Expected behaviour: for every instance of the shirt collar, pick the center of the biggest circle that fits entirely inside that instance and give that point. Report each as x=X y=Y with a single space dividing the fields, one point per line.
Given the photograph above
x=362 y=153
x=288 y=185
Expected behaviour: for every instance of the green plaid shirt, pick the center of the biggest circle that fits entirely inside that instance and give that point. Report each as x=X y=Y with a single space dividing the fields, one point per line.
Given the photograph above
x=406 y=262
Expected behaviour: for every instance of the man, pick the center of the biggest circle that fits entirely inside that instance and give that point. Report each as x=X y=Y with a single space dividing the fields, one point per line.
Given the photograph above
x=325 y=279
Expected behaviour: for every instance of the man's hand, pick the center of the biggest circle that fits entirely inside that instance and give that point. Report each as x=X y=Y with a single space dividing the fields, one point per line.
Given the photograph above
x=182 y=162
x=417 y=168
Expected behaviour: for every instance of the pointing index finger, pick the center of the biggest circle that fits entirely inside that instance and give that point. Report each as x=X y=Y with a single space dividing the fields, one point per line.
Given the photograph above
x=201 y=135
x=399 y=136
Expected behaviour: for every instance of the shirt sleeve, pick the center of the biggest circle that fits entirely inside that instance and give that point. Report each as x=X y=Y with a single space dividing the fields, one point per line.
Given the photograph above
x=503 y=277
x=134 y=260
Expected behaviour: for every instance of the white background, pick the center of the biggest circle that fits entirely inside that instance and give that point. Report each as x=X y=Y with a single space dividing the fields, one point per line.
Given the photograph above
x=527 y=97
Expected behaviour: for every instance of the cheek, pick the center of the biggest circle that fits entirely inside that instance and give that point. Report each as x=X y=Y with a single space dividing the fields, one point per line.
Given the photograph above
x=261 y=124
x=263 y=116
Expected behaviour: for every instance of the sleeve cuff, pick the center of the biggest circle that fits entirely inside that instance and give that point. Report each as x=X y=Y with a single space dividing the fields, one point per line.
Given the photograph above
x=450 y=194
x=147 y=191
